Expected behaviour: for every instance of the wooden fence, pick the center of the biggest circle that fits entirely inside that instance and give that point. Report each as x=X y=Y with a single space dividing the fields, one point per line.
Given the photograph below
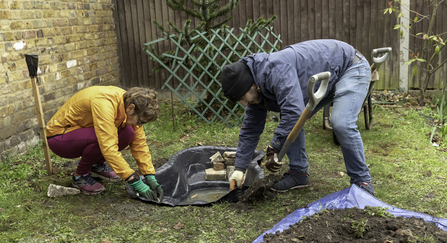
x=361 y=23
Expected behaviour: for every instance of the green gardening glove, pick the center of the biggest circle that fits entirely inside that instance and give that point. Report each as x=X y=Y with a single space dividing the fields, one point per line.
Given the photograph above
x=143 y=190
x=153 y=184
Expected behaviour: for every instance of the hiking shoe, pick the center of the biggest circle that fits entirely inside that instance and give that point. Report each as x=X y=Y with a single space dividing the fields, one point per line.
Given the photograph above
x=87 y=184
x=366 y=186
x=291 y=180
x=104 y=172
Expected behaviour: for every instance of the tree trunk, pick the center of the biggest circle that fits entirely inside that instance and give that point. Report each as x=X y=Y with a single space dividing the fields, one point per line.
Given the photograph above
x=423 y=84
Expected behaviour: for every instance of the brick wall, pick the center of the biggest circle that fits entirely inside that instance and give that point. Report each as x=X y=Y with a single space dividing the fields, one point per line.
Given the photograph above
x=76 y=45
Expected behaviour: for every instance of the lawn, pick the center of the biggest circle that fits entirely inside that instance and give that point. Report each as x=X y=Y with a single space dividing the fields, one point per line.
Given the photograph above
x=407 y=170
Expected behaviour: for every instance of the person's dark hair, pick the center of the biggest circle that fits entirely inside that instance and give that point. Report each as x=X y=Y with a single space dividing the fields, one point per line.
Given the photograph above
x=145 y=101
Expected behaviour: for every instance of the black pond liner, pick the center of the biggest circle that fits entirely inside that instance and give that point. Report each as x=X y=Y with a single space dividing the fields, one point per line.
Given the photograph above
x=185 y=172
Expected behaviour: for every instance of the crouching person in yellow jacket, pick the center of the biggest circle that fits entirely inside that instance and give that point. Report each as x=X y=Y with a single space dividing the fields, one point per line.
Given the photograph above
x=95 y=124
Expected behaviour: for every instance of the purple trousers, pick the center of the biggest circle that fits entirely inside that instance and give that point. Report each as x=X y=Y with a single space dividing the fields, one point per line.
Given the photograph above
x=83 y=143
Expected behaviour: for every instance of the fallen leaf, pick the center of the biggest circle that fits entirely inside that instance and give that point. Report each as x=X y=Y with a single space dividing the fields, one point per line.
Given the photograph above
x=2 y=210
x=18 y=206
x=179 y=226
x=288 y=209
x=159 y=231
x=194 y=196
x=106 y=241
x=215 y=196
x=232 y=229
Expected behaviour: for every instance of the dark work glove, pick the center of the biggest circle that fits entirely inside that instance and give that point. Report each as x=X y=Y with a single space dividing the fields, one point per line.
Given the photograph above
x=153 y=184
x=272 y=164
x=144 y=190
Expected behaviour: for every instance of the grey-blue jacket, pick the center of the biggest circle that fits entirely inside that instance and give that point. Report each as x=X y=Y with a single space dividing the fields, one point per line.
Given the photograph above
x=282 y=79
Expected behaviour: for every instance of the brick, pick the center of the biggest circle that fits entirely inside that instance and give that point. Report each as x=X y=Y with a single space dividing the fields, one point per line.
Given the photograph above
x=60 y=22
x=230 y=170
x=28 y=34
x=3 y=5
x=101 y=71
x=65 y=73
x=18 y=35
x=27 y=14
x=16 y=25
x=73 y=21
x=71 y=5
x=36 y=4
x=213 y=175
x=64 y=14
x=49 y=96
x=218 y=166
x=47 y=14
x=29 y=25
x=55 y=5
x=66 y=31
x=42 y=42
x=42 y=23
x=9 y=36
x=7 y=132
x=15 y=5
x=5 y=14
x=230 y=161
x=217 y=157
x=39 y=34
x=95 y=81
x=229 y=154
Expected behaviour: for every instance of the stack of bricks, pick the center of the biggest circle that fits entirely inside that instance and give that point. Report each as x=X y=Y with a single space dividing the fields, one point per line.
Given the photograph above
x=223 y=167
x=76 y=46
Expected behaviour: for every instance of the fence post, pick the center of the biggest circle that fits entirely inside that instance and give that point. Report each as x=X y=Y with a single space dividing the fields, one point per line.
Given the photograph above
x=404 y=46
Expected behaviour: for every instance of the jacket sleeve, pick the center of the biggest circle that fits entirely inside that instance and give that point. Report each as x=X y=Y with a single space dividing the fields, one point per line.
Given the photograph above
x=289 y=96
x=251 y=130
x=103 y=113
x=140 y=151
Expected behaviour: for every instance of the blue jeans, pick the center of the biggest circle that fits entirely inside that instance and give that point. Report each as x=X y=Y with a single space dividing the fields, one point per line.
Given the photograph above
x=347 y=97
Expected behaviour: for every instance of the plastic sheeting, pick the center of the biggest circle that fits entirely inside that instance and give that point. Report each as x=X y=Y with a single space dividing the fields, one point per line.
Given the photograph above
x=185 y=172
x=349 y=197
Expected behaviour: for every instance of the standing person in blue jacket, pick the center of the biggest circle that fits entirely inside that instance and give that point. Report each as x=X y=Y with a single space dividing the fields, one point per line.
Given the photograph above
x=278 y=82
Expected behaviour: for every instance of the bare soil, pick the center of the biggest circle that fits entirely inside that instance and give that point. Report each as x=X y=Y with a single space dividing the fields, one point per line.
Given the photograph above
x=328 y=226
x=338 y=225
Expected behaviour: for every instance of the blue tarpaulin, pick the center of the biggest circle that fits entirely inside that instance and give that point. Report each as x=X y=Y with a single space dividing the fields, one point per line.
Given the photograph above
x=349 y=197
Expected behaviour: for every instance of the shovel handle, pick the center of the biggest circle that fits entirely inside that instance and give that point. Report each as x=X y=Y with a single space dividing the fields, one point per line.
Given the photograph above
x=314 y=99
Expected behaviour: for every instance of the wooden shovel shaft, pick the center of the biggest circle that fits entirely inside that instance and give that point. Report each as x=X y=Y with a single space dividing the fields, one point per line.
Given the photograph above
x=43 y=134
x=294 y=133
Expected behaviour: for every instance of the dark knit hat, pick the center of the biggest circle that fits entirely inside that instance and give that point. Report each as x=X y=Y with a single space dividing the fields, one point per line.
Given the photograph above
x=236 y=80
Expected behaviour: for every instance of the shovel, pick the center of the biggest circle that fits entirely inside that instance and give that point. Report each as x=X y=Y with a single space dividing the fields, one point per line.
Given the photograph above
x=314 y=99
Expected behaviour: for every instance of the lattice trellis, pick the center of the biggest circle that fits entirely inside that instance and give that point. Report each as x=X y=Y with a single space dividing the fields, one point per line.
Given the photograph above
x=203 y=64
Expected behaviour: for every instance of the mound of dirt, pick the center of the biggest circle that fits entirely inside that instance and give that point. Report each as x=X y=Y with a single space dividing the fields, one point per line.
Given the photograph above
x=358 y=225
x=260 y=190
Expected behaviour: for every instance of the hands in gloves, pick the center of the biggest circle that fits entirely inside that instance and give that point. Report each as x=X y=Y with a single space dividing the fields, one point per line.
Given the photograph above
x=272 y=165
x=237 y=179
x=153 y=184
x=144 y=190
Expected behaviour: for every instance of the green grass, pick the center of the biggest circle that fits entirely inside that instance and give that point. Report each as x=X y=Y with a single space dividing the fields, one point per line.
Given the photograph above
x=407 y=171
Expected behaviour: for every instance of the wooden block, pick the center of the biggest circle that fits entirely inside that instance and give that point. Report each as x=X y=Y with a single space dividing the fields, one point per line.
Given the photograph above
x=230 y=170
x=218 y=166
x=215 y=175
x=217 y=158
x=229 y=154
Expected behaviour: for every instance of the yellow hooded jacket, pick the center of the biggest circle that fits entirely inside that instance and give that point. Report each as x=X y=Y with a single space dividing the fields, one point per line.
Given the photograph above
x=102 y=107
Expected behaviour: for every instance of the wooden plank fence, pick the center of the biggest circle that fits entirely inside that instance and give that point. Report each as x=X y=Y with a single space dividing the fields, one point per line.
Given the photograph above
x=358 y=22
